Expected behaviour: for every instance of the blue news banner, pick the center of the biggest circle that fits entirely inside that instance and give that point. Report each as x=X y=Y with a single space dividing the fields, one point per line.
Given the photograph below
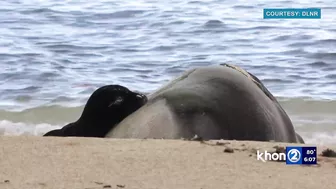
x=301 y=155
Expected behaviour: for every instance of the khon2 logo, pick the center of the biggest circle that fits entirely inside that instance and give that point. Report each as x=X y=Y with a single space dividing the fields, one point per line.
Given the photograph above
x=295 y=155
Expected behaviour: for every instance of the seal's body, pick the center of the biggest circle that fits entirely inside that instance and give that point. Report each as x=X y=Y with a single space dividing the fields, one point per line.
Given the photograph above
x=106 y=107
x=214 y=102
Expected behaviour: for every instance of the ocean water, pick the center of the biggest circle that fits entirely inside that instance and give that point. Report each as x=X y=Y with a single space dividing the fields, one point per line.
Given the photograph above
x=54 y=54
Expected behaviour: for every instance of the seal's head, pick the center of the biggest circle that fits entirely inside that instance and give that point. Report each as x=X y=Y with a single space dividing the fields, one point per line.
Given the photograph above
x=106 y=107
x=111 y=104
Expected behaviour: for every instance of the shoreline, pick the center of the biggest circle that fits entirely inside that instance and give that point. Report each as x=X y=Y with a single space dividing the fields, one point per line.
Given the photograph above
x=92 y=163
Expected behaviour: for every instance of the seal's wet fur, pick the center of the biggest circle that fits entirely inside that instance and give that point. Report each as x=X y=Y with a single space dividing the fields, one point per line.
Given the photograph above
x=263 y=88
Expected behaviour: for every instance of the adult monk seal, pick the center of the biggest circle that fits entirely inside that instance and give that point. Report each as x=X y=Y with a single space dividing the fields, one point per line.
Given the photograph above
x=106 y=107
x=214 y=102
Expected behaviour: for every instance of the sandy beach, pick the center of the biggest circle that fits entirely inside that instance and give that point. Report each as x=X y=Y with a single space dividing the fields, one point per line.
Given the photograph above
x=92 y=163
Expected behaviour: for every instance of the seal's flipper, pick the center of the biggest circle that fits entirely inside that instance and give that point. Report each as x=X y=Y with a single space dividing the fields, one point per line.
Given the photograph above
x=299 y=138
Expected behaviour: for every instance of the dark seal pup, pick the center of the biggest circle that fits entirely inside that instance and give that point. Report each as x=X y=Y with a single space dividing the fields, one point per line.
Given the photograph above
x=214 y=102
x=106 y=107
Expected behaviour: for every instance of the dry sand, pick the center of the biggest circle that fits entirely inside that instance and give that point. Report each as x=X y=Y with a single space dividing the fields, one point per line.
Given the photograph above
x=91 y=163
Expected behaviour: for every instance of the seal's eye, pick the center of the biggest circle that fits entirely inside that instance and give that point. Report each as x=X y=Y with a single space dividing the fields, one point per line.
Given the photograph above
x=117 y=101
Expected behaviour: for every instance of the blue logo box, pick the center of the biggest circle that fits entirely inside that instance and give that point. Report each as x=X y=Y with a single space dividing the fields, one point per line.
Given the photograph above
x=290 y=13
x=296 y=155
